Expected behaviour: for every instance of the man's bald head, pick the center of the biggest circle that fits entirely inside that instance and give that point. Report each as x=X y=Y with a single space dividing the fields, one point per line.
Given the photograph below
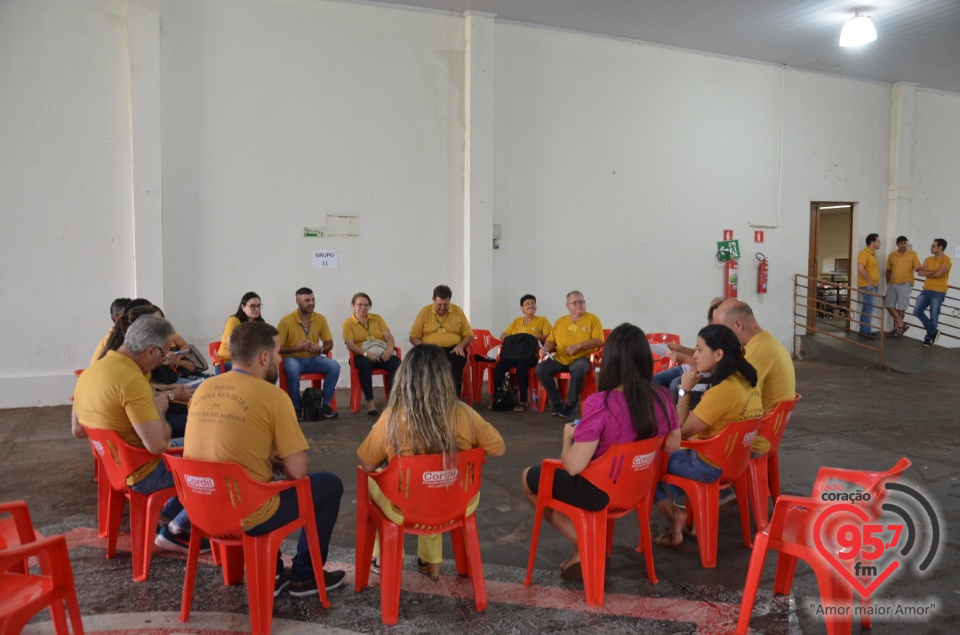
x=738 y=316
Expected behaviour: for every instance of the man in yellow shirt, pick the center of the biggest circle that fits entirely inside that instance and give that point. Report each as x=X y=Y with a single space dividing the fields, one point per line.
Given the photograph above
x=936 y=269
x=901 y=264
x=868 y=280
x=445 y=325
x=241 y=417
x=305 y=338
x=115 y=394
x=573 y=338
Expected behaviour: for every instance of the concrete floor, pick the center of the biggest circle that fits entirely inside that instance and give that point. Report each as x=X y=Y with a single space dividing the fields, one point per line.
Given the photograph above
x=850 y=417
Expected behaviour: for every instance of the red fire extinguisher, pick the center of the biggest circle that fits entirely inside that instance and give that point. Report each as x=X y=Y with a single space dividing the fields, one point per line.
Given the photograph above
x=730 y=288
x=762 y=274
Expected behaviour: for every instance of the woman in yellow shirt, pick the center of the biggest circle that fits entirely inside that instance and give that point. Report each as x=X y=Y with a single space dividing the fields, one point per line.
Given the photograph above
x=372 y=345
x=527 y=324
x=248 y=311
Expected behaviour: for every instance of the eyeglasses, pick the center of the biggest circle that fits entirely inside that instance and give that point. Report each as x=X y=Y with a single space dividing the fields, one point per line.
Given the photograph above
x=255 y=307
x=577 y=303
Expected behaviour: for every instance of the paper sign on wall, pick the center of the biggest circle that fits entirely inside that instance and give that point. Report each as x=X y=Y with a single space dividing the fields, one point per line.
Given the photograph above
x=325 y=259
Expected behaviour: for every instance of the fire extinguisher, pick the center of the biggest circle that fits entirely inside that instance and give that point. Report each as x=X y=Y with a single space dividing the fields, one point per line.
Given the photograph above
x=730 y=288
x=762 y=273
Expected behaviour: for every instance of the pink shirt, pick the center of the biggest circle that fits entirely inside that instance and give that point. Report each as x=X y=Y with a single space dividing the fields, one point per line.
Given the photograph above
x=612 y=424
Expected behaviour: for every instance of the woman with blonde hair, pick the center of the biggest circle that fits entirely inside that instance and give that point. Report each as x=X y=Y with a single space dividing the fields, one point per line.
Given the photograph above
x=424 y=416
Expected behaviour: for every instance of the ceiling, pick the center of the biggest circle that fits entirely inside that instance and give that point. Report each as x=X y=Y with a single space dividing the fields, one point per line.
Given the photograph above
x=918 y=41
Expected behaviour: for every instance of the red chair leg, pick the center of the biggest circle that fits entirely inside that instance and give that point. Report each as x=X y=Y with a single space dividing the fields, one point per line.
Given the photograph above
x=114 y=515
x=232 y=562
x=391 y=565
x=476 y=564
x=534 y=539
x=593 y=554
x=754 y=571
x=645 y=543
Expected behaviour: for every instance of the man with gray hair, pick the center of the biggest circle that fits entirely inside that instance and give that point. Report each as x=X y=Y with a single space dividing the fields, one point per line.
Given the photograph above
x=115 y=394
x=573 y=338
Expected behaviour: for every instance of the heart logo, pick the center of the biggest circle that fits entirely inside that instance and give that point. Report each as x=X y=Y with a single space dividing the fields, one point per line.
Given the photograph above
x=864 y=591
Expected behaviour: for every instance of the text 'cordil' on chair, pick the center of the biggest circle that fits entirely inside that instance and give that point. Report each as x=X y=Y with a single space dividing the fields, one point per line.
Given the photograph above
x=217 y=497
x=433 y=499
x=791 y=533
x=24 y=594
x=628 y=473
x=763 y=472
x=731 y=451
x=118 y=461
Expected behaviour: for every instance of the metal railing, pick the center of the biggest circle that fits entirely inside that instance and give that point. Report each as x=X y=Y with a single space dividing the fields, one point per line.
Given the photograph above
x=834 y=309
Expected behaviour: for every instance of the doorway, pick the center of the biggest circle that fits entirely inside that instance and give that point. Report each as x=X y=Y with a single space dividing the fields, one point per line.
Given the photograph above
x=831 y=230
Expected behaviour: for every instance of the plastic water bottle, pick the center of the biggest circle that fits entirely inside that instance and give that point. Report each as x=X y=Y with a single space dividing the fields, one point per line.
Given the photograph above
x=536 y=400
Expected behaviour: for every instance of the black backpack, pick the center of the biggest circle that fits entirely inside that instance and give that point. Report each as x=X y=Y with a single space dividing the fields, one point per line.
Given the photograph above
x=519 y=347
x=312 y=403
x=505 y=397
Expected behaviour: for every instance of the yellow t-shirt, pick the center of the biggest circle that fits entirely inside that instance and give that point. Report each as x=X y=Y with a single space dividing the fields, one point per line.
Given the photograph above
x=733 y=399
x=933 y=263
x=102 y=345
x=902 y=266
x=446 y=331
x=567 y=332
x=224 y=351
x=868 y=258
x=239 y=418
x=113 y=394
x=356 y=332
x=471 y=431
x=292 y=331
x=776 y=376
x=538 y=326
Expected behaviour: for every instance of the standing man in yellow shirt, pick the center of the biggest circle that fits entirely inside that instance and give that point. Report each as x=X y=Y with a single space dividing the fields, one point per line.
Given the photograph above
x=305 y=339
x=901 y=264
x=445 y=325
x=868 y=280
x=573 y=338
x=936 y=269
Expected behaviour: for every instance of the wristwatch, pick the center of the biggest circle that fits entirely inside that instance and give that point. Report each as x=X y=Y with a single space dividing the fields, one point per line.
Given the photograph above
x=681 y=392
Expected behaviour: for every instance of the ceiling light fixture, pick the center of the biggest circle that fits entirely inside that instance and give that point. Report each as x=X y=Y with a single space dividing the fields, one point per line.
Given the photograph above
x=858 y=30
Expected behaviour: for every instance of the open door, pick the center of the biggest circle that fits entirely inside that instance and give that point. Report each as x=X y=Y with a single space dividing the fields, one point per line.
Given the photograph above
x=831 y=230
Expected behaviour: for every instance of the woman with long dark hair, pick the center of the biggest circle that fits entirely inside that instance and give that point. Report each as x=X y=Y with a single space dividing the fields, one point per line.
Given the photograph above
x=627 y=407
x=732 y=396
x=248 y=311
x=424 y=416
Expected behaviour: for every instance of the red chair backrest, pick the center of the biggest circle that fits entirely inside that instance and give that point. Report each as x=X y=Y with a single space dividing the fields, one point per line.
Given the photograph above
x=217 y=495
x=429 y=494
x=730 y=449
x=483 y=341
x=626 y=472
x=662 y=338
x=18 y=529
x=118 y=459
x=213 y=350
x=773 y=425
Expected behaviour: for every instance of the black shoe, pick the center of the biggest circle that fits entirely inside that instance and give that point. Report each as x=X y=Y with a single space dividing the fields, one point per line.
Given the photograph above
x=375 y=566
x=328 y=412
x=566 y=411
x=299 y=414
x=282 y=582
x=170 y=541
x=373 y=413
x=927 y=344
x=936 y=336
x=302 y=588
x=557 y=409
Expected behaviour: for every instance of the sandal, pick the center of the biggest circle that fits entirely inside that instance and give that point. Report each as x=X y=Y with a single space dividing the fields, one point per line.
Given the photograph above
x=572 y=572
x=666 y=540
x=373 y=413
x=431 y=569
x=521 y=408
x=375 y=566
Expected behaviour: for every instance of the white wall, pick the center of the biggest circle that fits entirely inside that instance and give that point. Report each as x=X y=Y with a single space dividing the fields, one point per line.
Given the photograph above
x=616 y=167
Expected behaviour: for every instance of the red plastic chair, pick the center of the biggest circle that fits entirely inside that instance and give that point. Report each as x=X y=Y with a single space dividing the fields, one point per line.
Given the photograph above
x=117 y=461
x=731 y=451
x=563 y=378
x=217 y=497
x=791 y=534
x=356 y=393
x=315 y=379
x=482 y=342
x=433 y=500
x=23 y=595
x=763 y=472
x=661 y=362
x=628 y=473
x=18 y=529
x=218 y=363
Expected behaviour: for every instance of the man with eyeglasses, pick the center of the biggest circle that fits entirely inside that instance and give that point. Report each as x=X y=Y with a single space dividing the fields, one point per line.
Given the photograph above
x=115 y=394
x=573 y=338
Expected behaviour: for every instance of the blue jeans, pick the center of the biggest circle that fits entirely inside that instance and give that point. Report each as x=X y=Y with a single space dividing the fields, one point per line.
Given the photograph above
x=670 y=378
x=934 y=300
x=869 y=306
x=688 y=464
x=326 y=489
x=161 y=478
x=293 y=367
